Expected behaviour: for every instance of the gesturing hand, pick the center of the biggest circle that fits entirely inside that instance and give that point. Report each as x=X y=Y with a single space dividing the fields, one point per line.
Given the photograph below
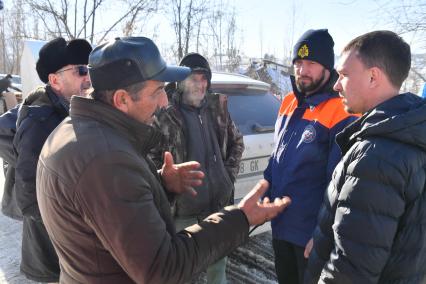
x=260 y=211
x=179 y=178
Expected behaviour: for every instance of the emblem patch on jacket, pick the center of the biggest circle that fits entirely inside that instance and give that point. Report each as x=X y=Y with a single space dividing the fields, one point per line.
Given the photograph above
x=309 y=134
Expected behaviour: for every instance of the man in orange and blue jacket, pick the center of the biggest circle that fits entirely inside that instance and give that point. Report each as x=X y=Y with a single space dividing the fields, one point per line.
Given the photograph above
x=306 y=153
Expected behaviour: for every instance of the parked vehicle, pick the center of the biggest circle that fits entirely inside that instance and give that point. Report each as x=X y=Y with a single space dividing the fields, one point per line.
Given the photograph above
x=12 y=95
x=254 y=110
x=16 y=81
x=422 y=91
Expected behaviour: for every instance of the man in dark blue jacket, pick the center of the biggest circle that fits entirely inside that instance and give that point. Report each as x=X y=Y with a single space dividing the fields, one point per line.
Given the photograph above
x=63 y=67
x=7 y=133
x=306 y=152
x=372 y=225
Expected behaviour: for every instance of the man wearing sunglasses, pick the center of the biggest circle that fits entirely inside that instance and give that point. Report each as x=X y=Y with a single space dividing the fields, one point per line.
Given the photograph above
x=63 y=67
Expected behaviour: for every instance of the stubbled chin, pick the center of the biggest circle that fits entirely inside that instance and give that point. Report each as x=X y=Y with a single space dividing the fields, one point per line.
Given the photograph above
x=349 y=110
x=150 y=120
x=86 y=92
x=198 y=95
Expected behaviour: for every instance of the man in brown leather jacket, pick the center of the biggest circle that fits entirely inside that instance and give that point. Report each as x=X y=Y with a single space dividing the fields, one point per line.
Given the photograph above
x=105 y=206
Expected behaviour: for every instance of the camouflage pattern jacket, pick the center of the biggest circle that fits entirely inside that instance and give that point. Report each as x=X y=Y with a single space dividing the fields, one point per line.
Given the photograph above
x=171 y=124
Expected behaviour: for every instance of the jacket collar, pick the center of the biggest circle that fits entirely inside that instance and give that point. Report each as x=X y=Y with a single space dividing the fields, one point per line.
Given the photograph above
x=401 y=118
x=323 y=94
x=41 y=100
x=142 y=136
x=45 y=96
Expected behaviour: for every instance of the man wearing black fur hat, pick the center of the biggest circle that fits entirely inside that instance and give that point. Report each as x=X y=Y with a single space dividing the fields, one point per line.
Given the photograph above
x=63 y=67
x=305 y=153
x=197 y=126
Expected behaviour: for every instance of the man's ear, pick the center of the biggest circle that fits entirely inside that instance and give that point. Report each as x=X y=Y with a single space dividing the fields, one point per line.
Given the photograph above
x=120 y=100
x=54 y=81
x=376 y=75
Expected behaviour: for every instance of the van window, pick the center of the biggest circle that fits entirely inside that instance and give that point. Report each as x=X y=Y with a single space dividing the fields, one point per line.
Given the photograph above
x=253 y=111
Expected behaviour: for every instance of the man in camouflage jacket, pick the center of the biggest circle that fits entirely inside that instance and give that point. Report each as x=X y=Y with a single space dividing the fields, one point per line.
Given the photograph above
x=197 y=126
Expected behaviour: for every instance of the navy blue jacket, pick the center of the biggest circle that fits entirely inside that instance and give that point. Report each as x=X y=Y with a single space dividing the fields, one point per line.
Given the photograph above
x=7 y=133
x=304 y=158
x=38 y=116
x=372 y=224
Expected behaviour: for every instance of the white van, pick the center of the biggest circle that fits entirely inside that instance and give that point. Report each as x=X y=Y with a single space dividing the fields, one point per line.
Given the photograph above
x=254 y=110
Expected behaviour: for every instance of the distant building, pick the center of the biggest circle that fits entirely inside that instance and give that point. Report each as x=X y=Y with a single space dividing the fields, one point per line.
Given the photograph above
x=29 y=77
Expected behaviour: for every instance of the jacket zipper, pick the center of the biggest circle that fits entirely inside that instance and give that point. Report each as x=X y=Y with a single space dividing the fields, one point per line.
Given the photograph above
x=207 y=154
x=292 y=134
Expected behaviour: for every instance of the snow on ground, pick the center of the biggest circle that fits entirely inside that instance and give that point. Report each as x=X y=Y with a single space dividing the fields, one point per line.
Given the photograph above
x=10 y=246
x=250 y=264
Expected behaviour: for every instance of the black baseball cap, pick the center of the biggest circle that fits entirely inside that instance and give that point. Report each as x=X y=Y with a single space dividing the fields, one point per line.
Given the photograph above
x=129 y=60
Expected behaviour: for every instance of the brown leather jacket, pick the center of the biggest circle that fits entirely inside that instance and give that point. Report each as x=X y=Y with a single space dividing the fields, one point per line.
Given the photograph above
x=106 y=211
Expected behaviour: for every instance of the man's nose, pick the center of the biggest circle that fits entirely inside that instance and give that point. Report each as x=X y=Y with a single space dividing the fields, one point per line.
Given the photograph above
x=303 y=69
x=164 y=101
x=198 y=83
x=86 y=78
x=337 y=86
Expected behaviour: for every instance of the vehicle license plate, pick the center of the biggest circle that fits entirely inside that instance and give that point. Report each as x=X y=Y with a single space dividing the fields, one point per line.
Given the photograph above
x=253 y=167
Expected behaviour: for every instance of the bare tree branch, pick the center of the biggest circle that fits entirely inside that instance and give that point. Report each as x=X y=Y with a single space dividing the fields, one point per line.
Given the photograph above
x=187 y=16
x=132 y=9
x=85 y=20
x=75 y=17
x=93 y=20
x=56 y=16
x=422 y=76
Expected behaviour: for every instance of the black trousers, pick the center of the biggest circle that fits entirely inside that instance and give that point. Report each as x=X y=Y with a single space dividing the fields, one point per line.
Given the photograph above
x=39 y=261
x=290 y=263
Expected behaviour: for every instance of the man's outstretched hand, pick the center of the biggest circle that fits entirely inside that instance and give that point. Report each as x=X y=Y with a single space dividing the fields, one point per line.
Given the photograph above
x=260 y=211
x=180 y=178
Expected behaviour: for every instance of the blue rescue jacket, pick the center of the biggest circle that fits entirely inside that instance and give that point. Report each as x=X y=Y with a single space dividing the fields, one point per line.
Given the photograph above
x=304 y=158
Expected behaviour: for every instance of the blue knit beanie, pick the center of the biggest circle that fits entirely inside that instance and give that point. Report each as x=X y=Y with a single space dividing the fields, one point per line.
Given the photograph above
x=315 y=45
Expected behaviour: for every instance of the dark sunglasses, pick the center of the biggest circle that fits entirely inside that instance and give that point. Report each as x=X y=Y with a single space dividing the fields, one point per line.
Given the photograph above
x=81 y=69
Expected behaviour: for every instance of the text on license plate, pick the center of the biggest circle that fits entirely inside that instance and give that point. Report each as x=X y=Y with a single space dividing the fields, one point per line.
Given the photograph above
x=252 y=167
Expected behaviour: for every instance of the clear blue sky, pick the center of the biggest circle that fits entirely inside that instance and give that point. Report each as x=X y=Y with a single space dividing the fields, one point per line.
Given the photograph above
x=345 y=19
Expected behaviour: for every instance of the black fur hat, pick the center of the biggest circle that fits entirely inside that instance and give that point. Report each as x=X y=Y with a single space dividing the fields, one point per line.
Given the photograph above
x=58 y=53
x=197 y=63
